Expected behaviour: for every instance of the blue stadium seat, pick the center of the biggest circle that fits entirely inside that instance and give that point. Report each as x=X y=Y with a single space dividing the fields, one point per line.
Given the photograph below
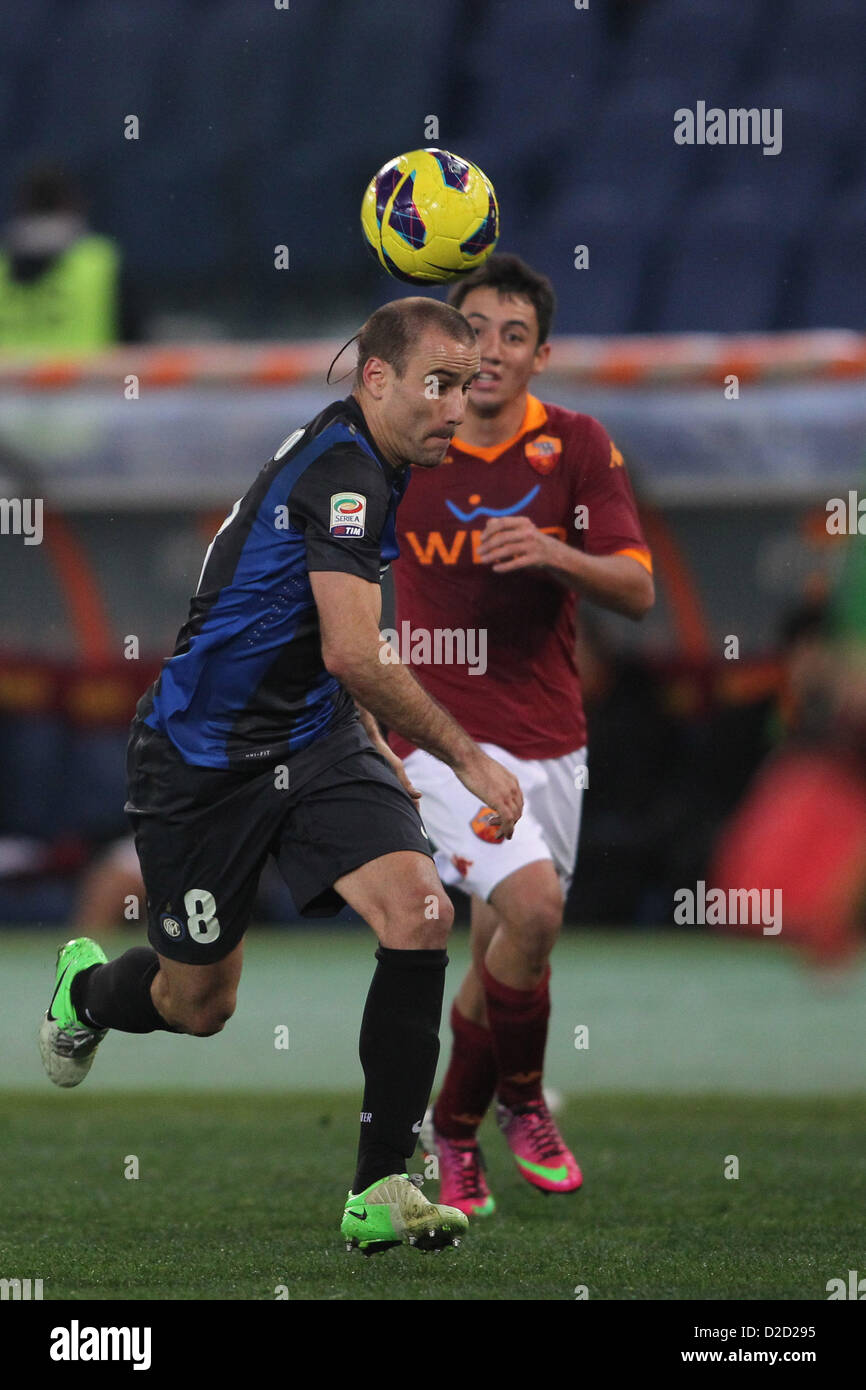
x=603 y=298
x=246 y=80
x=93 y=788
x=170 y=215
x=703 y=51
x=743 y=17
x=820 y=38
x=721 y=267
x=534 y=67
x=305 y=190
x=830 y=106
x=31 y=755
x=111 y=61
x=830 y=11
x=26 y=27
x=834 y=265
x=309 y=202
x=792 y=181
x=42 y=903
x=397 y=76
x=631 y=141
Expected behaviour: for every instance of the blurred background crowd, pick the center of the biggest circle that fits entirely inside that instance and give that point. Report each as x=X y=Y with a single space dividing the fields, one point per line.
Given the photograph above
x=155 y=153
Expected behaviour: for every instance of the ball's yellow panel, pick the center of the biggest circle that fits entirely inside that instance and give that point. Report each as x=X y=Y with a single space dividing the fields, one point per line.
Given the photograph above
x=430 y=216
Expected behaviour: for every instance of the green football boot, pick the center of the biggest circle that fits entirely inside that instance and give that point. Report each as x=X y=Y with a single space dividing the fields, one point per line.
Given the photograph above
x=68 y=1045
x=394 y=1212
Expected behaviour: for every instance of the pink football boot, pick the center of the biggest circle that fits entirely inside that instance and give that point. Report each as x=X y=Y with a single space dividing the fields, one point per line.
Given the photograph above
x=462 y=1183
x=539 y=1149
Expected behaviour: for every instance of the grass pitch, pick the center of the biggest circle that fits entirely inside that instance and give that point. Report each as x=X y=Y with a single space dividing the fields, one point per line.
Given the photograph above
x=239 y=1194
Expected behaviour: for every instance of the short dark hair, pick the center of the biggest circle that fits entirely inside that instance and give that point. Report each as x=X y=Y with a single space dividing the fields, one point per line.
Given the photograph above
x=391 y=331
x=510 y=275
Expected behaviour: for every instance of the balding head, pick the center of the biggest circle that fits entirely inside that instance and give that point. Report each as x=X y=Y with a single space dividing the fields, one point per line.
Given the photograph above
x=392 y=331
x=416 y=361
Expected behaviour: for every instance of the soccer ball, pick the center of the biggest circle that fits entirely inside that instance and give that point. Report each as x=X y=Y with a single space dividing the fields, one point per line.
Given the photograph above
x=430 y=216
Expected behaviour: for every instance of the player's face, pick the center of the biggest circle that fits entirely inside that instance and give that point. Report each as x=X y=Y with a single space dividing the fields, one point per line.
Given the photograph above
x=424 y=408
x=506 y=327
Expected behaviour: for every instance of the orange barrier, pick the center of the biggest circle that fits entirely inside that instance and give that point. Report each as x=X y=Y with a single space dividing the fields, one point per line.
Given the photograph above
x=675 y=360
x=99 y=693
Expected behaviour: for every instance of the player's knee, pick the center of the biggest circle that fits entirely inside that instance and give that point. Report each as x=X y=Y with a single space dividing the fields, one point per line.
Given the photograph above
x=436 y=928
x=430 y=931
x=540 y=928
x=205 y=1017
x=425 y=926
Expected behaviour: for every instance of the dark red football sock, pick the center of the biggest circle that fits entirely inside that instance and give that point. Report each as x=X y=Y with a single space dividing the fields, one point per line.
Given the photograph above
x=470 y=1081
x=518 y=1030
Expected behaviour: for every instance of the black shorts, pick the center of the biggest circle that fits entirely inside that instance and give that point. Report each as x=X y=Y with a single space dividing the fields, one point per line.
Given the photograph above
x=203 y=835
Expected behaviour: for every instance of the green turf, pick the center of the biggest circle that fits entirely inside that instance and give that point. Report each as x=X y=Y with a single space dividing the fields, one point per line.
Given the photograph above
x=238 y=1194
x=665 y=1012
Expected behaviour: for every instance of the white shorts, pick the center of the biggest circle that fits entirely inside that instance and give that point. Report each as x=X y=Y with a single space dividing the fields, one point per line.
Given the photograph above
x=548 y=829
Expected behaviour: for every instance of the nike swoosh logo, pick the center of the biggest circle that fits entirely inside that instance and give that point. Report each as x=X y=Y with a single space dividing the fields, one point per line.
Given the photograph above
x=358 y=1215
x=54 y=995
x=552 y=1174
x=416 y=1129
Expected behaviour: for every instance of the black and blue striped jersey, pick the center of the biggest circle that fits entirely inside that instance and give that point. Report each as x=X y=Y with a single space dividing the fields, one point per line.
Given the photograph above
x=246 y=682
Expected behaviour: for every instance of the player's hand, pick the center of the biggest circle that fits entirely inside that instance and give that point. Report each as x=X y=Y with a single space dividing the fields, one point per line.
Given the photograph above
x=493 y=784
x=397 y=764
x=515 y=543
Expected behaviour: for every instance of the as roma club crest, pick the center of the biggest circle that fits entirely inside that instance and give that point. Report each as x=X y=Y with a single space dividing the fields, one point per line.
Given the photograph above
x=484 y=824
x=543 y=453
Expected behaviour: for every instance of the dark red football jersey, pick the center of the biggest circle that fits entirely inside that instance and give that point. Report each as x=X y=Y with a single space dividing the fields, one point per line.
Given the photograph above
x=562 y=471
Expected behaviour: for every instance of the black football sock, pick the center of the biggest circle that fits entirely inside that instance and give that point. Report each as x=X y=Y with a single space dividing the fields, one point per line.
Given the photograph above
x=117 y=995
x=399 y=1048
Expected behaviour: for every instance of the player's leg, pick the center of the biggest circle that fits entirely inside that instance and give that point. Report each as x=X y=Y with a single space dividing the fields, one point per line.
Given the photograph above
x=499 y=1043
x=356 y=837
x=500 y=1017
x=92 y=995
x=512 y=937
x=402 y=899
x=470 y=856
x=202 y=839
x=515 y=976
x=483 y=923
x=197 y=999
x=138 y=992
x=470 y=1081
x=451 y=1126
x=499 y=1023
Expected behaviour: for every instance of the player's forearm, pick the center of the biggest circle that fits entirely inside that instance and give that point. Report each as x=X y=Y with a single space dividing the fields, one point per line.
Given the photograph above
x=618 y=582
x=389 y=692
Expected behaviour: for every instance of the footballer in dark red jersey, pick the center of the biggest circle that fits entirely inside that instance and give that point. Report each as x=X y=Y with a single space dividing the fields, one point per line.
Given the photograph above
x=531 y=510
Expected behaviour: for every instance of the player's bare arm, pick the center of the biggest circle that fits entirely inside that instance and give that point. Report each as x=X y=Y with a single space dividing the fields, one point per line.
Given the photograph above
x=374 y=733
x=349 y=610
x=512 y=543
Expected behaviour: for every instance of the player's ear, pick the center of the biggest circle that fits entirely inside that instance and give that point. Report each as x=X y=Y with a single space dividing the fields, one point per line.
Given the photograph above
x=542 y=356
x=374 y=376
